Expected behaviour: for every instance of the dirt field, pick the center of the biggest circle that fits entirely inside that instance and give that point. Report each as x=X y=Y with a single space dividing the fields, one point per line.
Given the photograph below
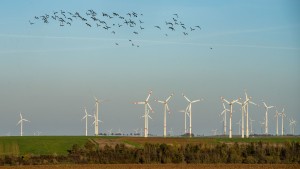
x=162 y=166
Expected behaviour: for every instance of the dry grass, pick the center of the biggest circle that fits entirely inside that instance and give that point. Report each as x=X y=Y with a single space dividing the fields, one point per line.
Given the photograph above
x=162 y=166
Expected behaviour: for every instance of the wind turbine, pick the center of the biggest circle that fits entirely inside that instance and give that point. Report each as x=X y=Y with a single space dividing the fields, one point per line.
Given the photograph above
x=96 y=121
x=147 y=116
x=86 y=120
x=109 y=132
x=230 y=117
x=282 y=116
x=190 y=110
x=147 y=105
x=251 y=130
x=261 y=126
x=276 y=116
x=97 y=115
x=247 y=113
x=21 y=123
x=239 y=123
x=224 y=119
x=185 y=113
x=214 y=131
x=166 y=108
x=294 y=124
x=266 y=118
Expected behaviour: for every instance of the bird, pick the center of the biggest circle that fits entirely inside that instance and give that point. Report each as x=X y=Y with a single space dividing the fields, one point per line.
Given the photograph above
x=117 y=44
x=88 y=24
x=198 y=27
x=176 y=15
x=157 y=27
x=142 y=28
x=141 y=22
x=113 y=32
x=185 y=33
x=172 y=28
x=192 y=29
x=31 y=23
x=135 y=32
x=210 y=48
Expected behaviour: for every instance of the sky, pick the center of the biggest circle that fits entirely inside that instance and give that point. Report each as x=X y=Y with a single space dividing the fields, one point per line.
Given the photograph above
x=51 y=72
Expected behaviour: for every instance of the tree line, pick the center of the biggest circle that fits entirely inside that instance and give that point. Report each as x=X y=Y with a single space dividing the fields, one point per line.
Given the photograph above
x=202 y=153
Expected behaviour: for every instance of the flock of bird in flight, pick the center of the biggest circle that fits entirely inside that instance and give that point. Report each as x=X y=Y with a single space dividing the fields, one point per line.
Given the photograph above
x=112 y=22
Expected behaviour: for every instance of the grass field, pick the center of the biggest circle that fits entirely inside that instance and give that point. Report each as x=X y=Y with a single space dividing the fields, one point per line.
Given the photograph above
x=162 y=166
x=49 y=145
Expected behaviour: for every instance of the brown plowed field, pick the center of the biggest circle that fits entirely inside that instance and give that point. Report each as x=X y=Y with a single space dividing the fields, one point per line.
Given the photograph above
x=162 y=166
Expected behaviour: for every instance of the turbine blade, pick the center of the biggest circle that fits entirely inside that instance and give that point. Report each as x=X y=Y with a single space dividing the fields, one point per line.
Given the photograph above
x=168 y=108
x=149 y=107
x=149 y=95
x=25 y=120
x=195 y=101
x=139 y=103
x=225 y=100
x=186 y=98
x=159 y=101
x=265 y=105
x=253 y=103
x=169 y=97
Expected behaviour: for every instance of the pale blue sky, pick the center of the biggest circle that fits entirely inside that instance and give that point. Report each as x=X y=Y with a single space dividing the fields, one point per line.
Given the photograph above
x=49 y=73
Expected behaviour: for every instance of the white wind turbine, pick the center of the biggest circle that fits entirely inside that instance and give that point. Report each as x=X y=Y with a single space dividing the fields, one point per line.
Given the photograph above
x=282 y=114
x=21 y=123
x=147 y=105
x=86 y=120
x=214 y=131
x=292 y=126
x=251 y=129
x=276 y=116
x=266 y=118
x=224 y=119
x=230 y=117
x=239 y=123
x=190 y=111
x=109 y=132
x=247 y=113
x=147 y=116
x=261 y=126
x=97 y=102
x=166 y=108
x=96 y=121
x=185 y=113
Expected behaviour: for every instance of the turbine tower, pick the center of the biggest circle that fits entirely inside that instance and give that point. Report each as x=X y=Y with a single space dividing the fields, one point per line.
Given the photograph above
x=282 y=116
x=266 y=118
x=247 y=113
x=147 y=105
x=230 y=117
x=97 y=115
x=166 y=108
x=190 y=110
x=224 y=119
x=276 y=116
x=86 y=120
x=21 y=123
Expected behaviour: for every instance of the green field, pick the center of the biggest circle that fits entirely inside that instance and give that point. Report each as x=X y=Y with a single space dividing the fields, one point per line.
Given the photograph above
x=51 y=145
